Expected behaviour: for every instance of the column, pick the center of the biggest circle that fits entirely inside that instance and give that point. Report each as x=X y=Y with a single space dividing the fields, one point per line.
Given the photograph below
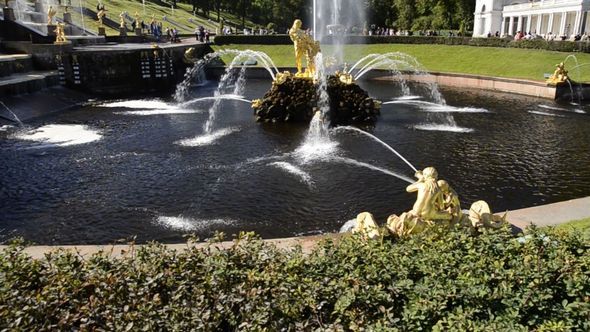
x=563 y=22
x=519 y=24
x=528 y=23
x=510 y=25
x=578 y=23
x=550 y=24
x=503 y=27
x=539 y=24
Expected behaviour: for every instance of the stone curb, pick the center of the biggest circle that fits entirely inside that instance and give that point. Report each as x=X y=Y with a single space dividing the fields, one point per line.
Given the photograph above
x=544 y=215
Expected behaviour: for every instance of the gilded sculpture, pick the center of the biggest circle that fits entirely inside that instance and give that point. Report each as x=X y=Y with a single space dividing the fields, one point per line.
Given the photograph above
x=60 y=35
x=559 y=75
x=50 y=14
x=122 y=20
x=100 y=15
x=344 y=76
x=437 y=204
x=306 y=47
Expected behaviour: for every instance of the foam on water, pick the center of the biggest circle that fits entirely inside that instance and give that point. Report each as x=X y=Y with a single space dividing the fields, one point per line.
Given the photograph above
x=312 y=151
x=292 y=169
x=348 y=226
x=160 y=112
x=140 y=104
x=60 y=135
x=427 y=106
x=207 y=139
x=182 y=223
x=546 y=114
x=443 y=127
x=6 y=127
x=553 y=108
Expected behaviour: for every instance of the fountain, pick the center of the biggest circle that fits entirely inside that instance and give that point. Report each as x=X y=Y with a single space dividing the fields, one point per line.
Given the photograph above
x=200 y=162
x=296 y=97
x=13 y=117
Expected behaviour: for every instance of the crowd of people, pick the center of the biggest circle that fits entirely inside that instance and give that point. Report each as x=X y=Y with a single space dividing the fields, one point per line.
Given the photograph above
x=202 y=35
x=550 y=36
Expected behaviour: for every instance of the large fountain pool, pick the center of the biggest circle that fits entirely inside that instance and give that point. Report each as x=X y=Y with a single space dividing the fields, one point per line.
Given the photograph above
x=142 y=167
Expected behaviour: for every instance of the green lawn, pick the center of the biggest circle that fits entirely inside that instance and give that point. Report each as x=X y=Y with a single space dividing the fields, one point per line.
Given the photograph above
x=582 y=226
x=488 y=61
x=180 y=15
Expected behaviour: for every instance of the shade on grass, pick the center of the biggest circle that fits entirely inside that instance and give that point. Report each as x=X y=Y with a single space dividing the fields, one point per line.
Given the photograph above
x=488 y=61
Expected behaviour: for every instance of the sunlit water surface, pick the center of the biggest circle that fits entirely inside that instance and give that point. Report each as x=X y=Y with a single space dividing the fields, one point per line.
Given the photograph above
x=99 y=174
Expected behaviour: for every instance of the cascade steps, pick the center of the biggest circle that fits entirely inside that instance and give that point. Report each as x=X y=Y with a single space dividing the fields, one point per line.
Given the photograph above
x=18 y=75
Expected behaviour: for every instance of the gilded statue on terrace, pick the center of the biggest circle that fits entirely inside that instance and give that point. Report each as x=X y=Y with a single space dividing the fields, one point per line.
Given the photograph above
x=50 y=14
x=437 y=204
x=100 y=15
x=60 y=35
x=559 y=75
x=306 y=47
x=122 y=20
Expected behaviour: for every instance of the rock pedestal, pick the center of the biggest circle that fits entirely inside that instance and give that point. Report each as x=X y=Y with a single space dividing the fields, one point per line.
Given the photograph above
x=51 y=29
x=9 y=14
x=122 y=32
x=102 y=31
x=294 y=99
x=138 y=32
x=68 y=18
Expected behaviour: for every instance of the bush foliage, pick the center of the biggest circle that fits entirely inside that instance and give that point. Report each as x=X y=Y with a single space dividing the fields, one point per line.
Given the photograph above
x=439 y=280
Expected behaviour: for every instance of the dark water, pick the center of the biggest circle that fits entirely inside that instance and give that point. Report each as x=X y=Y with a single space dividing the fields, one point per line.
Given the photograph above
x=137 y=179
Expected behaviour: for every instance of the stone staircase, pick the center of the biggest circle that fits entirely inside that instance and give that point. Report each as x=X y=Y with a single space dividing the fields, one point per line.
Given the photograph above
x=18 y=76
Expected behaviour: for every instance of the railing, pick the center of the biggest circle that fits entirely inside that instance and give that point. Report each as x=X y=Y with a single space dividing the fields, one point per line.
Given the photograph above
x=541 y=4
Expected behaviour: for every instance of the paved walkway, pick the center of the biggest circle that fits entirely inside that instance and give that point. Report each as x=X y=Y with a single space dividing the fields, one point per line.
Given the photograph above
x=551 y=214
x=544 y=215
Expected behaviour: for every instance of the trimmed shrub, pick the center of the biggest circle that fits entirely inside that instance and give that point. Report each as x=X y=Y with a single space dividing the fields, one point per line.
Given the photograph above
x=253 y=39
x=439 y=280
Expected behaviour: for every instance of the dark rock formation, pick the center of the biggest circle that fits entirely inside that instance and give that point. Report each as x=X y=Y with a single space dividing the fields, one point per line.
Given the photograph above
x=293 y=99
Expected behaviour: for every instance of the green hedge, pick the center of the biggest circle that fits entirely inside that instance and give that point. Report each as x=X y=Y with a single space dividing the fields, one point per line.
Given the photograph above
x=439 y=280
x=560 y=46
x=253 y=39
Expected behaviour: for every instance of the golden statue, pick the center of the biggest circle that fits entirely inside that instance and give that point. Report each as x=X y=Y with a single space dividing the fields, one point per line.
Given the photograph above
x=122 y=20
x=437 y=204
x=100 y=15
x=304 y=46
x=366 y=226
x=450 y=201
x=50 y=14
x=559 y=76
x=60 y=35
x=281 y=77
x=480 y=215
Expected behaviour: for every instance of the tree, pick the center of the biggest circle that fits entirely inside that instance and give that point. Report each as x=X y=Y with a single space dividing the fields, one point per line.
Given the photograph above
x=406 y=12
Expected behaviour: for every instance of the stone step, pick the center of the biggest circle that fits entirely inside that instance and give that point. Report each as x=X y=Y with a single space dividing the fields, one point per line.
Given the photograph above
x=28 y=82
x=15 y=64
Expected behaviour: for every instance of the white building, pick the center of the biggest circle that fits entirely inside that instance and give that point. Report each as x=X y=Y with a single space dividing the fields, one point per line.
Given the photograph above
x=560 y=17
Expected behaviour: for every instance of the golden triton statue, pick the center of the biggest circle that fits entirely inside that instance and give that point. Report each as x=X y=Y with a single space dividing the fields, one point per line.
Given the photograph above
x=559 y=76
x=304 y=46
x=437 y=204
x=60 y=35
